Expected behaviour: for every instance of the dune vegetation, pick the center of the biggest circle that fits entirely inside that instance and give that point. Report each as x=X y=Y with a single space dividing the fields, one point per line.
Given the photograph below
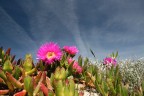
x=57 y=73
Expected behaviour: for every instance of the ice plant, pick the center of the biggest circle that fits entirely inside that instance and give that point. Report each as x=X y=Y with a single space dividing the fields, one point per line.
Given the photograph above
x=63 y=86
x=109 y=61
x=21 y=93
x=72 y=50
x=76 y=66
x=24 y=78
x=49 y=53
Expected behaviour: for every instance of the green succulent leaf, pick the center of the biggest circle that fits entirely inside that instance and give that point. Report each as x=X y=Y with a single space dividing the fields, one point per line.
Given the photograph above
x=59 y=87
x=1 y=56
x=32 y=71
x=124 y=91
x=41 y=94
x=7 y=66
x=51 y=93
x=17 y=72
x=76 y=93
x=60 y=73
x=80 y=60
x=28 y=85
x=28 y=63
x=2 y=75
x=99 y=89
x=86 y=61
x=69 y=89
x=116 y=54
x=52 y=78
x=13 y=81
x=37 y=89
x=105 y=87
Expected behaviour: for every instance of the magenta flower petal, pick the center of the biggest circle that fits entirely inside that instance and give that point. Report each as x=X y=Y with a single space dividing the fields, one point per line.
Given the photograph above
x=72 y=50
x=79 y=69
x=75 y=65
x=70 y=60
x=110 y=61
x=49 y=53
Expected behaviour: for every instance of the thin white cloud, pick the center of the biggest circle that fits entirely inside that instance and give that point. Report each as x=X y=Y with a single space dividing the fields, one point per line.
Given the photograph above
x=123 y=26
x=16 y=32
x=111 y=22
x=14 y=36
x=66 y=14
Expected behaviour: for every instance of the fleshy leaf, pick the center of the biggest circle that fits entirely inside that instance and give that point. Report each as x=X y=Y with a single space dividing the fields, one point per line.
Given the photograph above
x=13 y=81
x=3 y=92
x=28 y=85
x=44 y=89
x=17 y=72
x=28 y=63
x=21 y=93
x=7 y=66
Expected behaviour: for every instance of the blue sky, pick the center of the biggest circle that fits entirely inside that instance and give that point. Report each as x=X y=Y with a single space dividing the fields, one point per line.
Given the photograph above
x=104 y=26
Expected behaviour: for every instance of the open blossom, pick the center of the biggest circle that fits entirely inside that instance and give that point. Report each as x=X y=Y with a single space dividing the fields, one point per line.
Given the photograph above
x=72 y=50
x=110 y=61
x=49 y=53
x=75 y=65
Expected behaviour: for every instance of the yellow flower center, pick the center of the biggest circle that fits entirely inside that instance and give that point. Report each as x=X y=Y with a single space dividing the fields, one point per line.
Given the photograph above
x=50 y=55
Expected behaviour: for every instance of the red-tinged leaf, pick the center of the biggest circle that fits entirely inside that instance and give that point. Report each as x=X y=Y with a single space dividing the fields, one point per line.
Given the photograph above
x=14 y=82
x=44 y=89
x=3 y=92
x=2 y=75
x=1 y=80
x=49 y=86
x=37 y=88
x=21 y=93
x=14 y=62
x=44 y=77
x=12 y=58
x=37 y=78
x=8 y=51
x=81 y=93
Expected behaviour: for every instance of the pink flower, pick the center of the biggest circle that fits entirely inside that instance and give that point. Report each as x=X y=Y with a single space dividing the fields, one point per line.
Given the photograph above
x=72 y=50
x=110 y=61
x=70 y=60
x=49 y=53
x=75 y=65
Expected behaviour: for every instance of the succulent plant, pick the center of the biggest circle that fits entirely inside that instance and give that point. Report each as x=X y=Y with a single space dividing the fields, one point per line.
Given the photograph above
x=63 y=86
x=23 y=78
x=110 y=81
x=19 y=79
x=61 y=75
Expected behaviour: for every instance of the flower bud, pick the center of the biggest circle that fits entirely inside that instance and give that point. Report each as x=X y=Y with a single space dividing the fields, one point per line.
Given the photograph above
x=28 y=63
x=60 y=73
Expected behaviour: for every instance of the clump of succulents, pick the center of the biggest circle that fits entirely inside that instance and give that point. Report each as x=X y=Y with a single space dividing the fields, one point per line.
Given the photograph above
x=57 y=73
x=19 y=78
x=51 y=75
x=108 y=80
